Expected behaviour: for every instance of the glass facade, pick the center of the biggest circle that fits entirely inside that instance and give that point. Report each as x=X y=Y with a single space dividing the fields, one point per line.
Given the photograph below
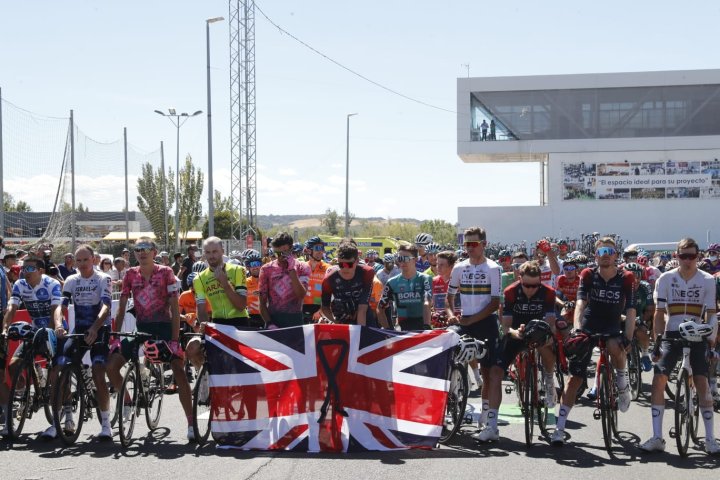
x=627 y=112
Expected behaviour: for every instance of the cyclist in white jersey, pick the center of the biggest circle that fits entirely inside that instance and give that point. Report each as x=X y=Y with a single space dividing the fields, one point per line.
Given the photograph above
x=477 y=281
x=91 y=294
x=682 y=294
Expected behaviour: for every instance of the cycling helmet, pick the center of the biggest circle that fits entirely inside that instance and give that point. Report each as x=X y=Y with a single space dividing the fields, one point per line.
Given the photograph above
x=388 y=258
x=20 y=331
x=190 y=278
x=693 y=331
x=157 y=351
x=577 y=345
x=423 y=239
x=635 y=268
x=297 y=248
x=570 y=261
x=467 y=350
x=236 y=254
x=199 y=266
x=630 y=251
x=537 y=332
x=581 y=259
x=314 y=241
x=575 y=253
x=432 y=248
x=45 y=342
x=672 y=264
x=253 y=256
x=371 y=253
x=504 y=253
x=713 y=247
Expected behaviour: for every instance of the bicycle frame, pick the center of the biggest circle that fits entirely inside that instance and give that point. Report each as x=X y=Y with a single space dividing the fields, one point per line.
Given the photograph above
x=607 y=398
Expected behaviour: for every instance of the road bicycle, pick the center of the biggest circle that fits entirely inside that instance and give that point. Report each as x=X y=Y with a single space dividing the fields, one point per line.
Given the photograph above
x=687 y=407
x=607 y=396
x=201 y=399
x=143 y=387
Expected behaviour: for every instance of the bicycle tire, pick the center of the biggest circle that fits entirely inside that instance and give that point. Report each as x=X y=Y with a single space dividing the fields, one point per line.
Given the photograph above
x=634 y=371
x=605 y=408
x=541 y=405
x=672 y=380
x=528 y=407
x=70 y=391
x=695 y=415
x=127 y=397
x=154 y=392
x=202 y=407
x=19 y=407
x=456 y=401
x=682 y=414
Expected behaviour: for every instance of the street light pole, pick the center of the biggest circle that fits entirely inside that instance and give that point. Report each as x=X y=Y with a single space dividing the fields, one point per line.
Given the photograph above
x=211 y=192
x=347 y=174
x=175 y=119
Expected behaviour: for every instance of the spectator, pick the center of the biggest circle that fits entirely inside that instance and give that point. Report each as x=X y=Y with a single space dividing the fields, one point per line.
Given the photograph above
x=10 y=260
x=126 y=257
x=187 y=264
x=178 y=257
x=106 y=265
x=165 y=258
x=96 y=262
x=484 y=128
x=492 y=130
x=68 y=268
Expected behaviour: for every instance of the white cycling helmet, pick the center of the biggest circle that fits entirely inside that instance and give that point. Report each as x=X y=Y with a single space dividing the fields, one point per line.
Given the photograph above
x=693 y=331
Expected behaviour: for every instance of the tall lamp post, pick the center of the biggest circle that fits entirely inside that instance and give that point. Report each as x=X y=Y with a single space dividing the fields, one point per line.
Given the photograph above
x=347 y=173
x=211 y=198
x=178 y=120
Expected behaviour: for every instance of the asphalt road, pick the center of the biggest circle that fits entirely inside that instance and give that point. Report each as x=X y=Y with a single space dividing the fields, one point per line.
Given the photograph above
x=165 y=453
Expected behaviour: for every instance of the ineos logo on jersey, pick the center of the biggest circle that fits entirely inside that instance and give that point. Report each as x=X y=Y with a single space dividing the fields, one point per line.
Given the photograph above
x=607 y=294
x=528 y=307
x=689 y=293
x=474 y=276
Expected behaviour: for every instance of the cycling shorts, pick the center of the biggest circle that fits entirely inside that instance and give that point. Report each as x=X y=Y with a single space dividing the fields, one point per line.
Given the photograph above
x=99 y=350
x=486 y=330
x=578 y=365
x=671 y=351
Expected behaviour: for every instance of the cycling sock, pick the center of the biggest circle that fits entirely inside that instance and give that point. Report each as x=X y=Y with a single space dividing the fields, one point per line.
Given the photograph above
x=189 y=420
x=104 y=417
x=707 y=416
x=658 y=411
x=484 y=412
x=562 y=417
x=68 y=414
x=622 y=378
x=492 y=418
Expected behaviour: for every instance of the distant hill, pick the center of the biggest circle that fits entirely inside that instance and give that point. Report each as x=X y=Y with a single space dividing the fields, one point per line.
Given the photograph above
x=267 y=222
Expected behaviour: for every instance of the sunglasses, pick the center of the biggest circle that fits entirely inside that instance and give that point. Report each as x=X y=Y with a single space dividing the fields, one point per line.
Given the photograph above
x=530 y=285
x=30 y=268
x=281 y=254
x=344 y=264
x=254 y=264
x=687 y=256
x=405 y=258
x=472 y=244
x=569 y=268
x=602 y=251
x=142 y=249
x=318 y=248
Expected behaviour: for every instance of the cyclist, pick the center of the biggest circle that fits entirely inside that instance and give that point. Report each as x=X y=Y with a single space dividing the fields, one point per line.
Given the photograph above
x=477 y=281
x=371 y=257
x=601 y=297
x=529 y=299
x=389 y=270
x=567 y=287
x=90 y=292
x=422 y=240
x=283 y=285
x=682 y=294
x=154 y=291
x=644 y=313
x=411 y=292
x=42 y=297
x=253 y=262
x=710 y=263
x=346 y=289
x=318 y=269
x=188 y=305
x=432 y=249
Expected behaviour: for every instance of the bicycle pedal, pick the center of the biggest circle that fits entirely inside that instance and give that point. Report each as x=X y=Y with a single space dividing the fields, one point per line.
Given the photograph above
x=596 y=414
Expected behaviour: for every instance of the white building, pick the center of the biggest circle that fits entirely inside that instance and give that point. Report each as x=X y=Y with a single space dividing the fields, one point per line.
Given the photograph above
x=634 y=154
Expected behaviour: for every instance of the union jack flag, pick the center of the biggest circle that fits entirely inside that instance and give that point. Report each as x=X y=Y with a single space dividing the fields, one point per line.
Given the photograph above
x=327 y=388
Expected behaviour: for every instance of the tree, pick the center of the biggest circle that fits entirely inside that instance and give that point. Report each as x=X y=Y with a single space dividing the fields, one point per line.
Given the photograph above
x=191 y=188
x=330 y=221
x=441 y=231
x=22 y=206
x=10 y=205
x=155 y=190
x=65 y=207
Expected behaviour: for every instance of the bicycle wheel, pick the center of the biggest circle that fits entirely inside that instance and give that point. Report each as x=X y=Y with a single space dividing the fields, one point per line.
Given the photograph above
x=694 y=414
x=606 y=409
x=202 y=411
x=19 y=407
x=634 y=371
x=672 y=380
x=528 y=407
x=154 y=387
x=539 y=401
x=127 y=406
x=683 y=417
x=69 y=396
x=456 y=401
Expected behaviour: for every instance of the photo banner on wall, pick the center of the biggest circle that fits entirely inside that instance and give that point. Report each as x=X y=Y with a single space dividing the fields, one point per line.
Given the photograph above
x=647 y=180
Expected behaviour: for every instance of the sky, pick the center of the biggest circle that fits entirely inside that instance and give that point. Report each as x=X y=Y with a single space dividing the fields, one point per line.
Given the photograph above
x=113 y=63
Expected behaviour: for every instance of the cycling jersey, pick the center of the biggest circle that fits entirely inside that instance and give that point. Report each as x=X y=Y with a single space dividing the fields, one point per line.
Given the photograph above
x=568 y=288
x=313 y=296
x=421 y=264
x=606 y=300
x=522 y=308
x=707 y=266
x=409 y=295
x=383 y=275
x=643 y=299
x=276 y=287
x=684 y=299
x=208 y=289
x=38 y=300
x=546 y=275
x=151 y=297
x=375 y=294
x=345 y=296
x=88 y=295
x=477 y=284
x=429 y=272
x=505 y=280
x=253 y=295
x=439 y=292
x=187 y=303
x=651 y=274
